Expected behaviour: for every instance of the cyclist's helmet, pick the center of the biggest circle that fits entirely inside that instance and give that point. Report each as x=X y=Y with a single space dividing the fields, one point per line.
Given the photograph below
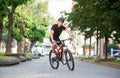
x=61 y=20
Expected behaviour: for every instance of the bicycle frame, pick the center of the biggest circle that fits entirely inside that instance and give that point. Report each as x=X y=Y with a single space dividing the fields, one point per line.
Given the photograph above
x=60 y=47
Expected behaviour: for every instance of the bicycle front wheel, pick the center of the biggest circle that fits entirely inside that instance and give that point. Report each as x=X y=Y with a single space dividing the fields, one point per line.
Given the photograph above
x=69 y=60
x=54 y=62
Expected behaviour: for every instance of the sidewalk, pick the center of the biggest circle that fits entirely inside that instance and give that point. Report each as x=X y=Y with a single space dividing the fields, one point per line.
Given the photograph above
x=109 y=64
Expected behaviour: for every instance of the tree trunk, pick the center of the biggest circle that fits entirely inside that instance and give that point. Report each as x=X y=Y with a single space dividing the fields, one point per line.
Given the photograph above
x=97 y=56
x=106 y=48
x=32 y=44
x=20 y=43
x=84 y=47
x=20 y=46
x=90 y=48
x=25 y=49
x=1 y=28
x=10 y=23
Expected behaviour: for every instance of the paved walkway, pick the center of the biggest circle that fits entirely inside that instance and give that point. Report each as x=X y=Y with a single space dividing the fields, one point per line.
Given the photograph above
x=40 y=68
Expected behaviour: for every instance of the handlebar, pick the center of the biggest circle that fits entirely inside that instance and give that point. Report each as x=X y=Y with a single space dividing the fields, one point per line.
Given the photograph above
x=63 y=40
x=67 y=39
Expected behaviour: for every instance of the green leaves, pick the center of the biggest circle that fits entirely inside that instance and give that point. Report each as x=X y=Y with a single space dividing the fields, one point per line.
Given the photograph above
x=27 y=25
x=3 y=9
x=38 y=34
x=90 y=16
x=16 y=34
x=30 y=21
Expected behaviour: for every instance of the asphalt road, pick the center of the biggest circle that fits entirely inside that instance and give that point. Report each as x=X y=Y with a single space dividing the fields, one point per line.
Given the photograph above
x=40 y=68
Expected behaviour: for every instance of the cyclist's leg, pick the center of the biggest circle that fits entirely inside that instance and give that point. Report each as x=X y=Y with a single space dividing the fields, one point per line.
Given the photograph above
x=53 y=45
x=62 y=50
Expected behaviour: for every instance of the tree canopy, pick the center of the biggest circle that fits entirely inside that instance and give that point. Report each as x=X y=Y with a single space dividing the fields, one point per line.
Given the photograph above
x=26 y=19
x=97 y=17
x=102 y=15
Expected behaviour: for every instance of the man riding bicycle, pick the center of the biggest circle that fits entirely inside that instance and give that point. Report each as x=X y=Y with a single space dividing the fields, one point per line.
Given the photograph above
x=56 y=31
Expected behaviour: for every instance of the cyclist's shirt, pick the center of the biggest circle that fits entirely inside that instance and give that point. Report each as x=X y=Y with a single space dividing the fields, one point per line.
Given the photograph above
x=57 y=31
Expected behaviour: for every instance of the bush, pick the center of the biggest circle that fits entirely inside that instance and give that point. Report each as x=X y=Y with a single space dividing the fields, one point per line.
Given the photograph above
x=32 y=56
x=35 y=57
x=29 y=56
x=22 y=58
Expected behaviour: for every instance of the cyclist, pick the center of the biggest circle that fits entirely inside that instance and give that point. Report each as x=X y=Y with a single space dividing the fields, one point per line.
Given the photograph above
x=56 y=31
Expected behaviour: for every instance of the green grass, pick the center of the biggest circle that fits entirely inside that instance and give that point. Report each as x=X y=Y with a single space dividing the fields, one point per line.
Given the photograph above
x=29 y=55
x=7 y=58
x=86 y=58
x=100 y=60
x=2 y=54
x=3 y=57
x=21 y=56
x=108 y=60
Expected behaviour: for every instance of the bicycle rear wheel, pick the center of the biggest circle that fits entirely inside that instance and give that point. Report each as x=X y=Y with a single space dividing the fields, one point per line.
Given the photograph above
x=69 y=60
x=54 y=62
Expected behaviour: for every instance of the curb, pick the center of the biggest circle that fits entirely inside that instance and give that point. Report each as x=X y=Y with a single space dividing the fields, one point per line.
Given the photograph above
x=109 y=64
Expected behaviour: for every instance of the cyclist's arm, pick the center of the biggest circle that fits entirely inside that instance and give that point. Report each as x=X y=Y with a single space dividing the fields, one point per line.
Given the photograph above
x=51 y=35
x=70 y=34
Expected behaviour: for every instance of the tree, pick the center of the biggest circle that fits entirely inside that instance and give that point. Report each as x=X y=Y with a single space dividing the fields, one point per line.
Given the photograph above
x=47 y=35
x=3 y=12
x=39 y=10
x=37 y=35
x=13 y=4
x=41 y=15
x=27 y=26
x=21 y=22
x=41 y=22
x=97 y=15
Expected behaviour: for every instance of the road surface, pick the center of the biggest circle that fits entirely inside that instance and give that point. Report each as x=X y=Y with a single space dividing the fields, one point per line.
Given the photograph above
x=40 y=68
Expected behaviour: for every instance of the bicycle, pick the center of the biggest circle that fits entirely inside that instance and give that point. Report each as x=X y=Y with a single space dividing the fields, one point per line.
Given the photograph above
x=56 y=57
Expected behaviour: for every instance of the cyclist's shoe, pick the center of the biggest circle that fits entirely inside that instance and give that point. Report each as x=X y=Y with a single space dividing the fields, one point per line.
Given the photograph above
x=63 y=62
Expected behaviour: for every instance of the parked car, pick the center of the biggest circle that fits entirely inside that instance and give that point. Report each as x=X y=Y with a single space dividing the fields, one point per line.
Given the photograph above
x=37 y=50
x=117 y=54
x=40 y=51
x=34 y=51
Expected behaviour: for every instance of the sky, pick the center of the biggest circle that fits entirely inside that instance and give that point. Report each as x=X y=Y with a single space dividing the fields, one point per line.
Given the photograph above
x=57 y=6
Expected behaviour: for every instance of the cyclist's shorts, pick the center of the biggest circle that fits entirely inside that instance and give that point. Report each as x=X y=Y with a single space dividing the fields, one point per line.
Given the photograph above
x=57 y=40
